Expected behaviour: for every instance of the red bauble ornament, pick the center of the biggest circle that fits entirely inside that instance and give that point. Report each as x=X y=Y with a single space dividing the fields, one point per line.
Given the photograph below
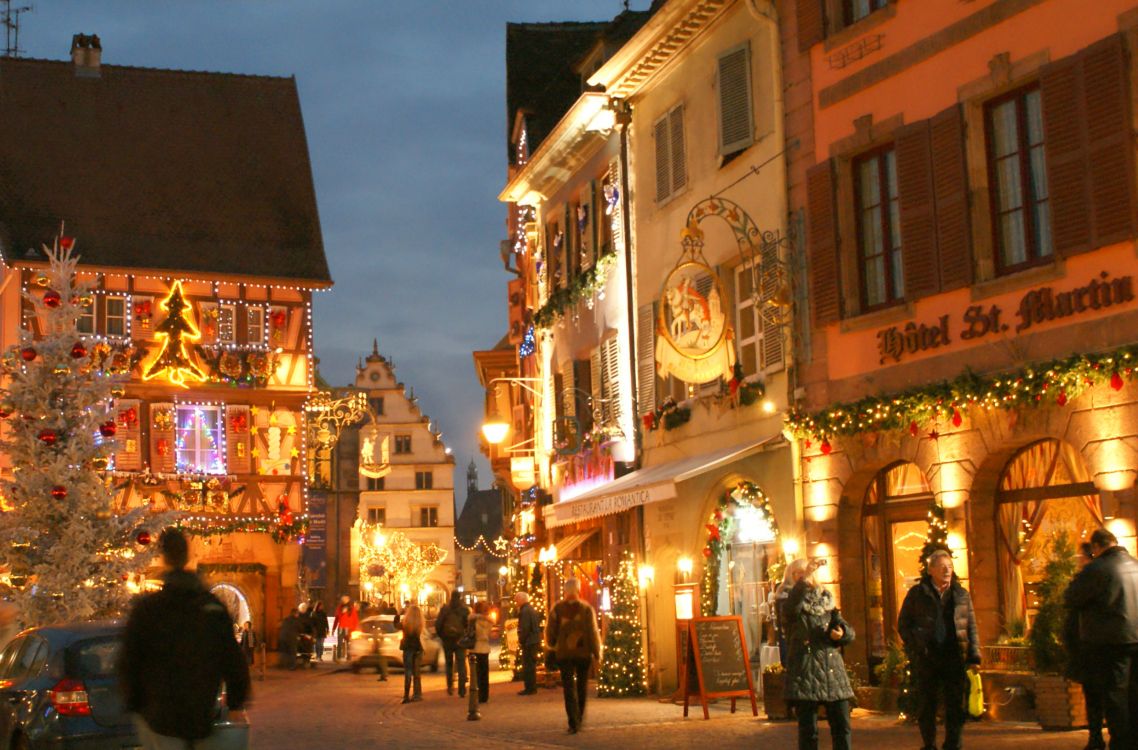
x=707 y=551
x=1061 y=399
x=78 y=351
x=28 y=353
x=51 y=298
x=143 y=537
x=48 y=437
x=107 y=429
x=1116 y=381
x=6 y=409
x=956 y=418
x=59 y=492
x=826 y=447
x=913 y=428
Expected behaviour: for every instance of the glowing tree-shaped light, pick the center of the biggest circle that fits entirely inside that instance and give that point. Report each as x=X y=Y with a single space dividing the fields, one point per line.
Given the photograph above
x=174 y=332
x=390 y=557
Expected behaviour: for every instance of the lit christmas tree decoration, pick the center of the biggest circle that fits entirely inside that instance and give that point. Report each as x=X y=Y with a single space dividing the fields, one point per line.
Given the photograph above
x=623 y=672
x=175 y=332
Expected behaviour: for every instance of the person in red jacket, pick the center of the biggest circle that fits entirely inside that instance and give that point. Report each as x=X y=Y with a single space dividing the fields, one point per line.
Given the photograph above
x=346 y=620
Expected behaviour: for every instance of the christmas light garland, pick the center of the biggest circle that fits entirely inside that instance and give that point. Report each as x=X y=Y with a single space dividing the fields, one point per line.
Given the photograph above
x=1055 y=382
x=583 y=285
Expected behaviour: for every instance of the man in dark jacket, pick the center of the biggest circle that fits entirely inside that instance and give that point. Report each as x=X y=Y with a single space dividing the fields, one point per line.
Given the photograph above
x=938 y=626
x=529 y=640
x=449 y=627
x=1105 y=594
x=178 y=649
x=1078 y=667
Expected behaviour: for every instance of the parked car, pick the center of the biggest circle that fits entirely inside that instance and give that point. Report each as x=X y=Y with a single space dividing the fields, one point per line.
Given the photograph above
x=378 y=635
x=59 y=689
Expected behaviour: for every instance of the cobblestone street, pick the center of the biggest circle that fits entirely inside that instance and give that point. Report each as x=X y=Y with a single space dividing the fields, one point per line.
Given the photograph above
x=323 y=708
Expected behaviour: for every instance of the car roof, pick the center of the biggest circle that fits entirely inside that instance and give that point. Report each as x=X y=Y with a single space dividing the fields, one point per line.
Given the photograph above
x=379 y=618
x=65 y=634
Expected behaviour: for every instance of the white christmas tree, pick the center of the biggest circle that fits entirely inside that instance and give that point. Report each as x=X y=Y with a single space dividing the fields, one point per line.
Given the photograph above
x=69 y=554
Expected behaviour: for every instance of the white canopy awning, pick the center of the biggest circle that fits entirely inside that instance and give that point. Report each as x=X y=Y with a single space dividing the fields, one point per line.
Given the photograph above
x=648 y=485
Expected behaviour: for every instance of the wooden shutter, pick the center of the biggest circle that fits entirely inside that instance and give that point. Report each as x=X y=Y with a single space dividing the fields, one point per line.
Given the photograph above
x=568 y=386
x=1110 y=144
x=822 y=228
x=569 y=245
x=596 y=385
x=127 y=414
x=646 y=358
x=610 y=352
x=950 y=190
x=773 y=354
x=1064 y=145
x=237 y=423
x=678 y=148
x=163 y=417
x=915 y=197
x=811 y=23
x=733 y=79
x=663 y=159
x=616 y=218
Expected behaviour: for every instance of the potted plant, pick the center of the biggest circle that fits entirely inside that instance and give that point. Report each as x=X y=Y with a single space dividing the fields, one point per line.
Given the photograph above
x=893 y=679
x=774 y=691
x=1058 y=701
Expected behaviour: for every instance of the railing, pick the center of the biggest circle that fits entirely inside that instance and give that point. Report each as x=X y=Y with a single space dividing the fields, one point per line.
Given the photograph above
x=1007 y=658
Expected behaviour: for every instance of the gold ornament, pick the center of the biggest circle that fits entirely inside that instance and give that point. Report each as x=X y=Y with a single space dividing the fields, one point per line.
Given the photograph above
x=41 y=279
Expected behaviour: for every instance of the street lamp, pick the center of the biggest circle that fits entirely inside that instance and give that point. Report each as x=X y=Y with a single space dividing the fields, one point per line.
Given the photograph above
x=496 y=428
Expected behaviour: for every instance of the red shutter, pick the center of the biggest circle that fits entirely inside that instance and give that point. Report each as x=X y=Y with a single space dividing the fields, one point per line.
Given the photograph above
x=950 y=190
x=822 y=228
x=1064 y=144
x=1110 y=146
x=162 y=419
x=238 y=420
x=127 y=414
x=811 y=23
x=915 y=196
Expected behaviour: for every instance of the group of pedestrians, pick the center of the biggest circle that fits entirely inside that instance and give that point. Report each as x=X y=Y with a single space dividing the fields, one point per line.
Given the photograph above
x=301 y=635
x=465 y=637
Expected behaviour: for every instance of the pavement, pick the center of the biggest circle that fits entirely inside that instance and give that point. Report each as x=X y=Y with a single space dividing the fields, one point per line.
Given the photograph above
x=331 y=707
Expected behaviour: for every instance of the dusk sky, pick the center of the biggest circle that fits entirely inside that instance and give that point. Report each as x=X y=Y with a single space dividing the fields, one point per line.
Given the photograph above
x=404 y=107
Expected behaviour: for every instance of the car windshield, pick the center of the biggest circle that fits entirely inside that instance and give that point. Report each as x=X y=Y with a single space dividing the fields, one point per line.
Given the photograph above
x=96 y=657
x=379 y=626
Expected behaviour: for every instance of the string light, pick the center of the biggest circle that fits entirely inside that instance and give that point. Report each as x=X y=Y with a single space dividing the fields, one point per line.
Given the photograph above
x=624 y=671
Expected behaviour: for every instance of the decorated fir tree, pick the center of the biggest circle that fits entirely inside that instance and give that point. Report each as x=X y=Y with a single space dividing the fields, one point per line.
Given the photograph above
x=623 y=672
x=69 y=554
x=936 y=537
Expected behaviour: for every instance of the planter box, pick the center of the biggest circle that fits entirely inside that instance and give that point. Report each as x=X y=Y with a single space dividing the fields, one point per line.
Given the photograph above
x=774 y=686
x=882 y=699
x=1059 y=703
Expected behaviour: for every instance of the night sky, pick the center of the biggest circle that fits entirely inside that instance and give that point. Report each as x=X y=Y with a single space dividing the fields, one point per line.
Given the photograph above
x=404 y=107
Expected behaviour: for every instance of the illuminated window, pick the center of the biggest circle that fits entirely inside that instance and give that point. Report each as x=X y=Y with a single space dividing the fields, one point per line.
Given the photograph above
x=256 y=329
x=199 y=440
x=115 y=315
x=227 y=324
x=86 y=322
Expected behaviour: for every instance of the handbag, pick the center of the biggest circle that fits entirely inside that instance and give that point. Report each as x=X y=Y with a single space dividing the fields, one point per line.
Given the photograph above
x=975 y=694
x=470 y=637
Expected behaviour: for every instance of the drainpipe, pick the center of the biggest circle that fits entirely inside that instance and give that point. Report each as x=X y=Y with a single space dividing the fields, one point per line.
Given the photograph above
x=624 y=119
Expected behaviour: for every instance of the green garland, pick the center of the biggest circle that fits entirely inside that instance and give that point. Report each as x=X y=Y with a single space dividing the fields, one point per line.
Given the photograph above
x=1057 y=381
x=745 y=494
x=583 y=285
x=280 y=529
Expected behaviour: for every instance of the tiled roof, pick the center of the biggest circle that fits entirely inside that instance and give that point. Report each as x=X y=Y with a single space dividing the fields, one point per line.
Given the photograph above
x=159 y=169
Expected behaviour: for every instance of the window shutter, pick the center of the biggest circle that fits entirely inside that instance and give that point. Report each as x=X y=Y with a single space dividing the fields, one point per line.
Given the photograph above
x=596 y=373
x=646 y=358
x=679 y=164
x=568 y=394
x=772 y=344
x=1064 y=145
x=162 y=420
x=616 y=218
x=569 y=246
x=1110 y=157
x=915 y=199
x=736 y=126
x=611 y=380
x=237 y=423
x=811 y=23
x=663 y=160
x=128 y=420
x=950 y=190
x=582 y=376
x=822 y=231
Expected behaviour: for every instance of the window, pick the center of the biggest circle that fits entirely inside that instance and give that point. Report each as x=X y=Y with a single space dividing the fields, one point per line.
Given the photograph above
x=1021 y=213
x=424 y=480
x=374 y=484
x=377 y=515
x=375 y=403
x=605 y=373
x=198 y=441
x=429 y=516
x=402 y=443
x=878 y=230
x=86 y=321
x=671 y=170
x=255 y=333
x=855 y=10
x=736 y=121
x=748 y=327
x=227 y=324
x=114 y=308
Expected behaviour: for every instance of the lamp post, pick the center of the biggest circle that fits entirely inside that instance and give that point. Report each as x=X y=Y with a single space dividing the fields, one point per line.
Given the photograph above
x=646 y=574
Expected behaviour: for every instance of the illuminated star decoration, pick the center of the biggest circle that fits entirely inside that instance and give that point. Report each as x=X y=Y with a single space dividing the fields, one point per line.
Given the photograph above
x=501 y=544
x=173 y=332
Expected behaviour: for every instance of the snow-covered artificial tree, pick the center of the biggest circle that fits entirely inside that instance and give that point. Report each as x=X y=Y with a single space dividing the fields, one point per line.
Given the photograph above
x=70 y=554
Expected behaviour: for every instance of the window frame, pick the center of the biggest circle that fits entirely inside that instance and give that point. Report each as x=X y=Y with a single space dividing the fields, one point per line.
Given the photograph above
x=747 y=301
x=262 y=325
x=87 y=313
x=231 y=308
x=197 y=466
x=432 y=514
x=848 y=18
x=377 y=515
x=877 y=154
x=674 y=189
x=399 y=448
x=728 y=150
x=425 y=480
x=124 y=299
x=1023 y=156
x=376 y=484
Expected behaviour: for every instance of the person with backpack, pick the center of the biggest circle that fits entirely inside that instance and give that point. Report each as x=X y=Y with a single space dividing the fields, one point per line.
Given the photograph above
x=572 y=631
x=449 y=626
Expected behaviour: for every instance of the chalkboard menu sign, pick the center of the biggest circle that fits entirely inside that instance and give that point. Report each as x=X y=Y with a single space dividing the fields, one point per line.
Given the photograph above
x=716 y=663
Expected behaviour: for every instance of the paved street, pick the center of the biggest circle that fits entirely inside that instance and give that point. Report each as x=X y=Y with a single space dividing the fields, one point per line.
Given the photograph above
x=323 y=708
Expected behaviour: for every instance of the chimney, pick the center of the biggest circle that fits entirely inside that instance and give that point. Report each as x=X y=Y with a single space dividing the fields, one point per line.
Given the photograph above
x=86 y=55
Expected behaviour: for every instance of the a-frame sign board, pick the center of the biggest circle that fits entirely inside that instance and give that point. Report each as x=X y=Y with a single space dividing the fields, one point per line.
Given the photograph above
x=716 y=664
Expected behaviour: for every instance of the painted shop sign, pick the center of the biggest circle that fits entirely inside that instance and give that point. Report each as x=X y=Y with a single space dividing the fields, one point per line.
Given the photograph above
x=1038 y=306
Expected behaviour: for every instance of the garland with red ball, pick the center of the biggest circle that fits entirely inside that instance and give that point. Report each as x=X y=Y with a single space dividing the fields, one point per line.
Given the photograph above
x=746 y=494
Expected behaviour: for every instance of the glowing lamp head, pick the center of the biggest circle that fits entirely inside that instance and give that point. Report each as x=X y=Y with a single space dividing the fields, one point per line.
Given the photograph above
x=646 y=574
x=502 y=571
x=790 y=547
x=684 y=565
x=495 y=430
x=378 y=539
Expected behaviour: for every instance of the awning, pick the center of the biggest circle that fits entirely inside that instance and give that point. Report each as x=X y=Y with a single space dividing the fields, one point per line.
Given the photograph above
x=568 y=545
x=648 y=485
x=526 y=557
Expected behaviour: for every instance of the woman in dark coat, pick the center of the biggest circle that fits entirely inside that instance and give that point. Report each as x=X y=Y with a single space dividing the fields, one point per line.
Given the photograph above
x=815 y=672
x=319 y=619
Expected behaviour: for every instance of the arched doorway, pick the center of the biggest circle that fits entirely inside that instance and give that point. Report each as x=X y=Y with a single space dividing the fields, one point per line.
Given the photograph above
x=234 y=601
x=894 y=528
x=1044 y=490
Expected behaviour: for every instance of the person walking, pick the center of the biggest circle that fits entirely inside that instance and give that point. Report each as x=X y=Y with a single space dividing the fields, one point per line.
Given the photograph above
x=572 y=632
x=319 y=620
x=529 y=641
x=248 y=641
x=412 y=648
x=288 y=638
x=937 y=624
x=1105 y=595
x=815 y=672
x=177 y=651
x=480 y=653
x=1077 y=663
x=449 y=627
x=346 y=619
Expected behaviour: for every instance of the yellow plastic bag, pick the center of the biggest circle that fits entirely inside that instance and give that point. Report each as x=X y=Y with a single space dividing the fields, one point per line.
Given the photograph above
x=975 y=694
